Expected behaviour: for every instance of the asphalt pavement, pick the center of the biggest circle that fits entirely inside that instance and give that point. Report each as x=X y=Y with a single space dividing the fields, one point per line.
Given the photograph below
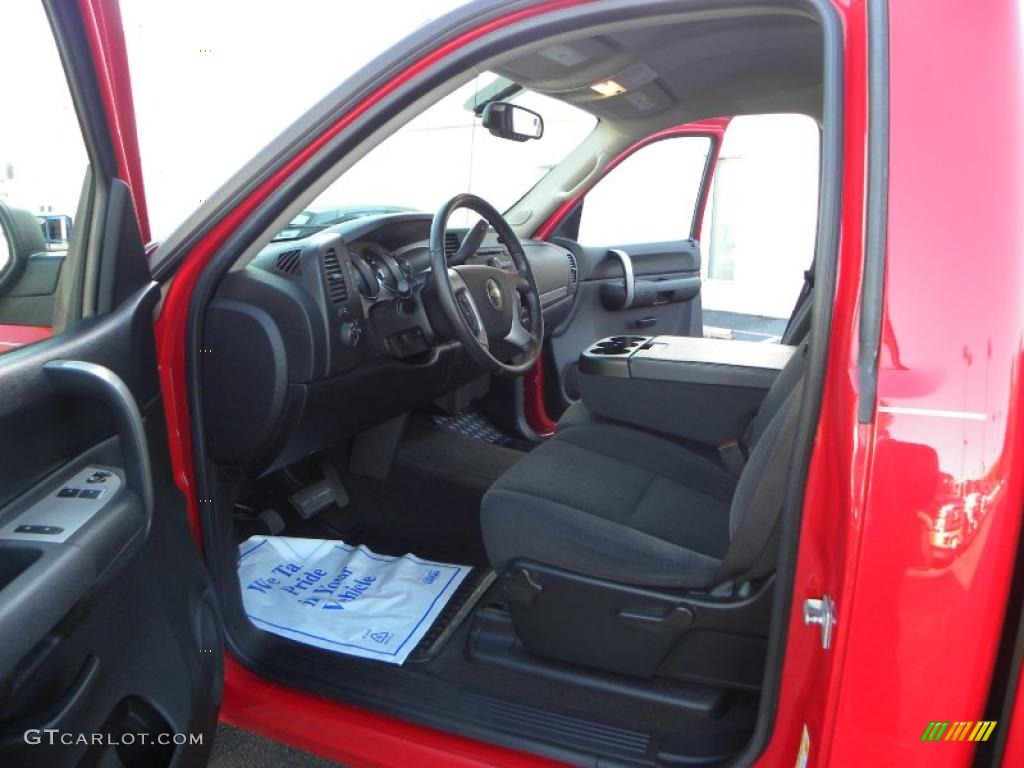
x=235 y=748
x=745 y=327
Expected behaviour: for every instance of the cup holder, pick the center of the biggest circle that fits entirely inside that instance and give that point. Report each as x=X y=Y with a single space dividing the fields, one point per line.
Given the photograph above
x=617 y=345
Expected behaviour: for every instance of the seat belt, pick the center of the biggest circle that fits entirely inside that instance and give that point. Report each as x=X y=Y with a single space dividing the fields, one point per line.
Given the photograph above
x=805 y=293
x=749 y=553
x=732 y=456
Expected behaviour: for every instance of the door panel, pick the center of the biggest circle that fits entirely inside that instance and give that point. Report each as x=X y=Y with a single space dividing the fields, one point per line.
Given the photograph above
x=106 y=626
x=650 y=199
x=647 y=289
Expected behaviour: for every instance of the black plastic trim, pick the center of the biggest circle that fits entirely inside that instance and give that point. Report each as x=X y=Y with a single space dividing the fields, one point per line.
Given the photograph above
x=76 y=56
x=877 y=213
x=97 y=382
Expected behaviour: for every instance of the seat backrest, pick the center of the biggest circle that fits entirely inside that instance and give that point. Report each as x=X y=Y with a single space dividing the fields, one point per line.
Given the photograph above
x=760 y=491
x=781 y=388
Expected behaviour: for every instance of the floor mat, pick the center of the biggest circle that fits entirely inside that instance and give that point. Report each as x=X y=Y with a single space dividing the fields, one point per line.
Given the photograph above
x=341 y=598
x=471 y=423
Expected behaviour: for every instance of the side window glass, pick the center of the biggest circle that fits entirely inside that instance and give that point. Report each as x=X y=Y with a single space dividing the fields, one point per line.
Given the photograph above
x=759 y=225
x=649 y=197
x=42 y=166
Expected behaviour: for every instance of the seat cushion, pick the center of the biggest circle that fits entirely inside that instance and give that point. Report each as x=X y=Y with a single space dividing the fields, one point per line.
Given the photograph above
x=613 y=502
x=577 y=414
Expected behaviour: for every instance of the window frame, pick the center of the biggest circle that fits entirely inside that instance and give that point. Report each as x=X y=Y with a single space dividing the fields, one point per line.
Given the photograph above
x=569 y=226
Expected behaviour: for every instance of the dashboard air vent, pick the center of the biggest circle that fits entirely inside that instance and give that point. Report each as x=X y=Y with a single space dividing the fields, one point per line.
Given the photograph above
x=574 y=270
x=289 y=262
x=336 y=287
x=451 y=244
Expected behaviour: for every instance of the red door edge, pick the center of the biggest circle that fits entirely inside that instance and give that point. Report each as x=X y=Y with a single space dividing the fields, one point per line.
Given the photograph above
x=713 y=127
x=101 y=20
x=172 y=324
x=249 y=701
x=311 y=723
x=537 y=416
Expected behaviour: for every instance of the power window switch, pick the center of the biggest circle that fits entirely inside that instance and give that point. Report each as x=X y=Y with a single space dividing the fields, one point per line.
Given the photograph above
x=90 y=493
x=47 y=530
x=67 y=493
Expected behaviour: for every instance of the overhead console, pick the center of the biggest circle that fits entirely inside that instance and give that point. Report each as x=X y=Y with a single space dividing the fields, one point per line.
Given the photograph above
x=706 y=390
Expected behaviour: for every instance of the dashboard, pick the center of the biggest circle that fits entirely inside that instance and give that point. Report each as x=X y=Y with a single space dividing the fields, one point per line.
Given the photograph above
x=317 y=339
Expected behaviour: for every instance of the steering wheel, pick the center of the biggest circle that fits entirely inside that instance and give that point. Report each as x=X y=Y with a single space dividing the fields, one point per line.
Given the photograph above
x=483 y=304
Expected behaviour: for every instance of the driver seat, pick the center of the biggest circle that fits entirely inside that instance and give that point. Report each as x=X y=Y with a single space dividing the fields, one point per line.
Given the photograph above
x=608 y=534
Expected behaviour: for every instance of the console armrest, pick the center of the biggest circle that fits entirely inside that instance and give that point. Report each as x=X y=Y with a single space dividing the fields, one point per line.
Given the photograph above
x=705 y=390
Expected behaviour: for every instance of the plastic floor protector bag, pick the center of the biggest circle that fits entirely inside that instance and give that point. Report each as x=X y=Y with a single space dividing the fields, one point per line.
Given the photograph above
x=341 y=598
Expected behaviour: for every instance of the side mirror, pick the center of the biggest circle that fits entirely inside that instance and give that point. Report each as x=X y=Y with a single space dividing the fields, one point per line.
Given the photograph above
x=511 y=121
x=56 y=231
x=20 y=237
x=9 y=261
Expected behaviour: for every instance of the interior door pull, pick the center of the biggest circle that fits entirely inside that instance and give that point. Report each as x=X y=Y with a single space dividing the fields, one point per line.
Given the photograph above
x=628 y=280
x=60 y=713
x=82 y=379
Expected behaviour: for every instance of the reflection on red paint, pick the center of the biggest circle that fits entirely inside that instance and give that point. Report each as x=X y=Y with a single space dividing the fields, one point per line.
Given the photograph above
x=14 y=336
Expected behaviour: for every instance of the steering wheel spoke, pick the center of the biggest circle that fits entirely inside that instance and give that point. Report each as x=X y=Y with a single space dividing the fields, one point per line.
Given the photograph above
x=484 y=304
x=467 y=307
x=519 y=336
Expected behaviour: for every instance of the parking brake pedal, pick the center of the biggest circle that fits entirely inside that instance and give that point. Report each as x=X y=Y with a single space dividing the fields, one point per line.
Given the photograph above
x=317 y=497
x=273 y=521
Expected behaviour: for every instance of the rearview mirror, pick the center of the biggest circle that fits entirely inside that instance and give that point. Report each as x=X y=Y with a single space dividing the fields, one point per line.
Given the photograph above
x=510 y=121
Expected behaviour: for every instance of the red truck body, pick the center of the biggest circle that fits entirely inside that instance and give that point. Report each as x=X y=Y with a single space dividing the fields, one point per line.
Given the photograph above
x=922 y=614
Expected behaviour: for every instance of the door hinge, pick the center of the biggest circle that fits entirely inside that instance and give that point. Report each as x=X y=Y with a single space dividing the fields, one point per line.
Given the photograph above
x=822 y=612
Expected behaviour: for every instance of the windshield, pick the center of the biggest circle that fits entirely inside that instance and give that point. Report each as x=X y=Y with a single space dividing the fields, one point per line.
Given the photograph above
x=445 y=151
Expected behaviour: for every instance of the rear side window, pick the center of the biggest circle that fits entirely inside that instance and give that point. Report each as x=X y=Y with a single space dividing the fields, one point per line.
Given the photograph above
x=649 y=197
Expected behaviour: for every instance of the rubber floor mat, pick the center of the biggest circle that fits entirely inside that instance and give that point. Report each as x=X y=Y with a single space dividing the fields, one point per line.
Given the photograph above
x=472 y=424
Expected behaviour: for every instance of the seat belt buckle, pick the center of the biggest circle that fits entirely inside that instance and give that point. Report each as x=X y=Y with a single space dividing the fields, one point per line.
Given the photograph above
x=731 y=454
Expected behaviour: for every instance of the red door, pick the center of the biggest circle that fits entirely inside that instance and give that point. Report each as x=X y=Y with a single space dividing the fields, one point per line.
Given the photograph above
x=110 y=647
x=910 y=514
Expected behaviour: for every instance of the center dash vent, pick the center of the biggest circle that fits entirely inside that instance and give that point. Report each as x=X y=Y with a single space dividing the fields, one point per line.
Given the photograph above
x=336 y=287
x=451 y=244
x=574 y=270
x=289 y=262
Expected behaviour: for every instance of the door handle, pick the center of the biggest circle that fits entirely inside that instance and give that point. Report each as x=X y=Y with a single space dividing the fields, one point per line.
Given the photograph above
x=97 y=382
x=646 y=322
x=628 y=280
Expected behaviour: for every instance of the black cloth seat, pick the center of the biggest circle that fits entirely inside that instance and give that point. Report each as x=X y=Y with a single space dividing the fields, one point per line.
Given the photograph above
x=614 y=502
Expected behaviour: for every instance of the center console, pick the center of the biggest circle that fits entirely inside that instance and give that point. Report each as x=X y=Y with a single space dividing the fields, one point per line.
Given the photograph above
x=706 y=390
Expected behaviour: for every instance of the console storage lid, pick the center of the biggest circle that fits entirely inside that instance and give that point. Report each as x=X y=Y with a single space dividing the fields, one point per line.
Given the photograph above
x=709 y=361
x=704 y=390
